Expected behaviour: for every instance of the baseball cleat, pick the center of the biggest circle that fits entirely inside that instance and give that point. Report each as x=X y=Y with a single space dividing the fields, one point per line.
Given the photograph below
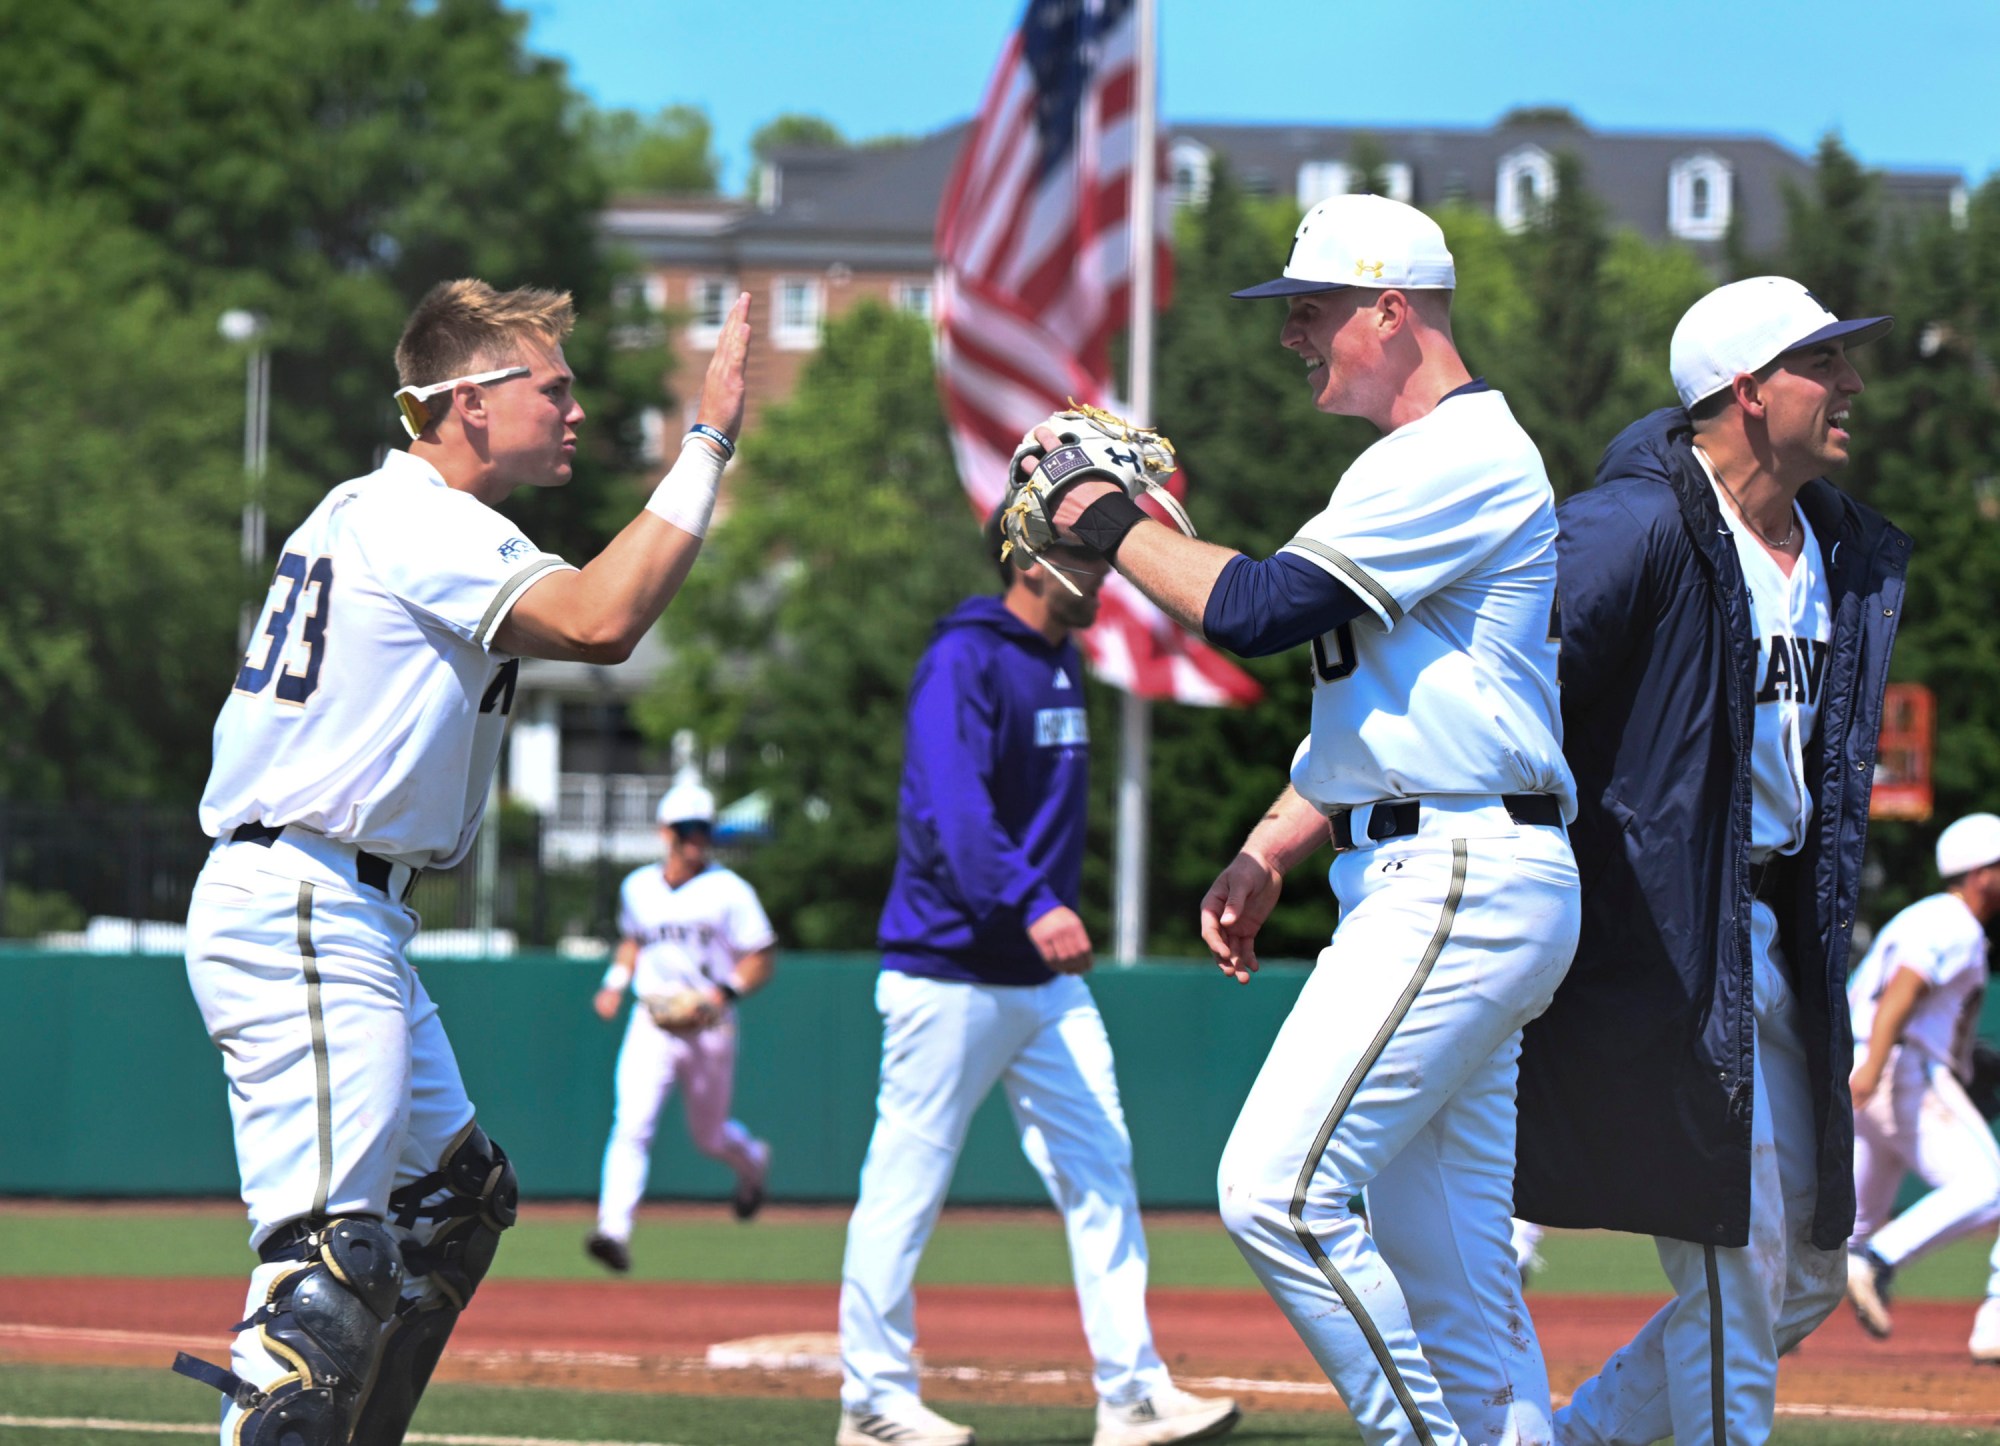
x=611 y=1254
x=749 y=1196
x=1985 y=1342
x=1868 y=1277
x=1169 y=1414
x=908 y=1423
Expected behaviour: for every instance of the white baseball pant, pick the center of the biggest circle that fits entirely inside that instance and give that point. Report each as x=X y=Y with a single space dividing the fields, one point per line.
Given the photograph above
x=1770 y=1294
x=342 y=1085
x=944 y=1046
x=650 y=1063
x=1921 y=1121
x=1394 y=1074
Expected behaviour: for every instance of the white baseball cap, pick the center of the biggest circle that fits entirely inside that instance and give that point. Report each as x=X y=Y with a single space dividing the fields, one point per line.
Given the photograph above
x=1971 y=843
x=1368 y=241
x=686 y=803
x=1739 y=327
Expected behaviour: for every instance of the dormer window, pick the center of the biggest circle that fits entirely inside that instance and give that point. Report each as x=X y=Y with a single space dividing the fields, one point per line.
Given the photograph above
x=1698 y=198
x=1526 y=182
x=1320 y=179
x=1193 y=169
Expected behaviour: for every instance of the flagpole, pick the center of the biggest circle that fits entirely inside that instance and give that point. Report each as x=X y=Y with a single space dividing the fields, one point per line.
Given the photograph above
x=1135 y=715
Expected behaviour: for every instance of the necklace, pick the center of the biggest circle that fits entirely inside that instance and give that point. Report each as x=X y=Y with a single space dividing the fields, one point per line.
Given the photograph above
x=1791 y=515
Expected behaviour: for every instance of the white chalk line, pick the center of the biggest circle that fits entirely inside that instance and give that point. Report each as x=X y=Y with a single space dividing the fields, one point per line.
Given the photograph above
x=177 y=1428
x=721 y=1357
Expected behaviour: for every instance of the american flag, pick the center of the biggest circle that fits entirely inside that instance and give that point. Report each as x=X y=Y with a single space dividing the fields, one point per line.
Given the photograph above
x=1034 y=276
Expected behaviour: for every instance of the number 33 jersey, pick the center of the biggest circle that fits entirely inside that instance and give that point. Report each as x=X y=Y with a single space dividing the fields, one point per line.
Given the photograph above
x=369 y=706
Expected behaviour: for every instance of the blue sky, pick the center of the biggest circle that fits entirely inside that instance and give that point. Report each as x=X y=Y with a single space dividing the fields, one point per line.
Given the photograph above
x=1907 y=86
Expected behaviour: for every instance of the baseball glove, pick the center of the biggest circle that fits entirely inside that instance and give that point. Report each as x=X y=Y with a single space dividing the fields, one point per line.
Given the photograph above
x=684 y=1011
x=1095 y=445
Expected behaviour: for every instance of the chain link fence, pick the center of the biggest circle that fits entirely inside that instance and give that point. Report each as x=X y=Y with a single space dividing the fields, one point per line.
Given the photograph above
x=119 y=876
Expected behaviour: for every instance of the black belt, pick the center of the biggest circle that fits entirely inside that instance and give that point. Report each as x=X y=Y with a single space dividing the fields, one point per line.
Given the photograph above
x=1771 y=876
x=371 y=870
x=1398 y=819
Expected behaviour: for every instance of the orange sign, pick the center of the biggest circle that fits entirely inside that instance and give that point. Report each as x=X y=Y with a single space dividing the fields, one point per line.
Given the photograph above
x=1903 y=759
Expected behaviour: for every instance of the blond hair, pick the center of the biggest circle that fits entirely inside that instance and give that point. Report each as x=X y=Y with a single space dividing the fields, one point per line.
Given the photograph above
x=466 y=326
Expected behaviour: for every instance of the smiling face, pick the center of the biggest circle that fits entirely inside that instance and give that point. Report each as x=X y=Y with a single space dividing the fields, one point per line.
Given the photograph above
x=1336 y=336
x=531 y=422
x=1805 y=399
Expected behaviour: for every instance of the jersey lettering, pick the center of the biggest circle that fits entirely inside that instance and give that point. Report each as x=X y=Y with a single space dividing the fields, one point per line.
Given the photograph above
x=500 y=692
x=1793 y=672
x=293 y=687
x=1331 y=667
x=1061 y=727
x=685 y=935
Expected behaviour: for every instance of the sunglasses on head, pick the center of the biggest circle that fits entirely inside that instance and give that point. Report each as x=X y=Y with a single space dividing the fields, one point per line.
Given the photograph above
x=411 y=401
x=693 y=828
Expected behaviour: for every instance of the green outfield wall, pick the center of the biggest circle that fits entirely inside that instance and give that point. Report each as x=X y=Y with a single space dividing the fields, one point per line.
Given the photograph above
x=109 y=1087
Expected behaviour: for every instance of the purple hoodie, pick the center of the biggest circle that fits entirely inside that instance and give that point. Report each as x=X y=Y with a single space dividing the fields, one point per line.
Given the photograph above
x=996 y=780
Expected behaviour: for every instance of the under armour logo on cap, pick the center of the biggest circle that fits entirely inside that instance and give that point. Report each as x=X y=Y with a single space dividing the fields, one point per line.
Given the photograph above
x=1363 y=241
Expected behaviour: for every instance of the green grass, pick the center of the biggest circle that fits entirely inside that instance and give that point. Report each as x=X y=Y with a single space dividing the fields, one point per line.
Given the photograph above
x=1188 y=1250
x=157 y=1396
x=137 y=1395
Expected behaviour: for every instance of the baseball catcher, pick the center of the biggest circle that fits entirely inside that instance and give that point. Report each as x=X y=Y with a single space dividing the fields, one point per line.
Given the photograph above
x=1095 y=445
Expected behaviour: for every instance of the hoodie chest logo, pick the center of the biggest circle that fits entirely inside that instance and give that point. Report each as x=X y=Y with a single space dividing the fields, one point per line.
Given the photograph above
x=1061 y=727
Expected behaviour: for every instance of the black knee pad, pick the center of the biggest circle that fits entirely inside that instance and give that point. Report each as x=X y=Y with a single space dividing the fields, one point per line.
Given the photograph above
x=482 y=1199
x=451 y=1242
x=325 y=1317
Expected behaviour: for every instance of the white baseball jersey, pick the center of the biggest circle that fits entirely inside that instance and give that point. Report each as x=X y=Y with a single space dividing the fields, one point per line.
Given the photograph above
x=370 y=706
x=1792 y=617
x=1446 y=529
x=692 y=936
x=1939 y=940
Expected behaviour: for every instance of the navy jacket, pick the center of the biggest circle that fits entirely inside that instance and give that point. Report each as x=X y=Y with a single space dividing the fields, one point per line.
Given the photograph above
x=996 y=783
x=1635 y=1089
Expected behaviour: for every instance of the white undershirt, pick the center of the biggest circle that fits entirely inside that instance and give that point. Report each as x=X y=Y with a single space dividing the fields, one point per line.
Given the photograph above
x=1792 y=617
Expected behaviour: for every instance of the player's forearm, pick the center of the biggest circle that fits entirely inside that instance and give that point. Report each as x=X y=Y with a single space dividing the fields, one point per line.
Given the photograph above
x=599 y=613
x=1176 y=572
x=753 y=971
x=1288 y=832
x=1892 y=1012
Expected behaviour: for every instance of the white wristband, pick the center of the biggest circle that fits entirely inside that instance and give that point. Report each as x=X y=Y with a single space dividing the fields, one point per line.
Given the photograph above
x=686 y=495
x=617 y=977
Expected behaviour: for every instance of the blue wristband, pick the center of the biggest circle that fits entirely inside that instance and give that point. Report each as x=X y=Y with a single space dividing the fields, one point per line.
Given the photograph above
x=715 y=435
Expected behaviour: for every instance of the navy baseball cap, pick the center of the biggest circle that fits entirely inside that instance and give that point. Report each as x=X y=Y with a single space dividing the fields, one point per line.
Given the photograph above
x=1745 y=325
x=1367 y=241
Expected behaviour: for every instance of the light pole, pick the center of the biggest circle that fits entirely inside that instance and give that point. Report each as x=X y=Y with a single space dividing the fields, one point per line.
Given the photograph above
x=238 y=325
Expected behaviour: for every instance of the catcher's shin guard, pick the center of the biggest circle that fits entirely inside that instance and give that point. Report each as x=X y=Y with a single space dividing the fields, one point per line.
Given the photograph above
x=328 y=1287
x=451 y=1221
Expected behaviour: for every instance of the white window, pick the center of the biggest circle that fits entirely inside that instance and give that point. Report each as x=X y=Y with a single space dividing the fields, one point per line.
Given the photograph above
x=1526 y=182
x=649 y=291
x=708 y=299
x=1961 y=208
x=653 y=435
x=1398 y=182
x=1320 y=179
x=799 y=305
x=915 y=296
x=1193 y=169
x=1698 y=198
